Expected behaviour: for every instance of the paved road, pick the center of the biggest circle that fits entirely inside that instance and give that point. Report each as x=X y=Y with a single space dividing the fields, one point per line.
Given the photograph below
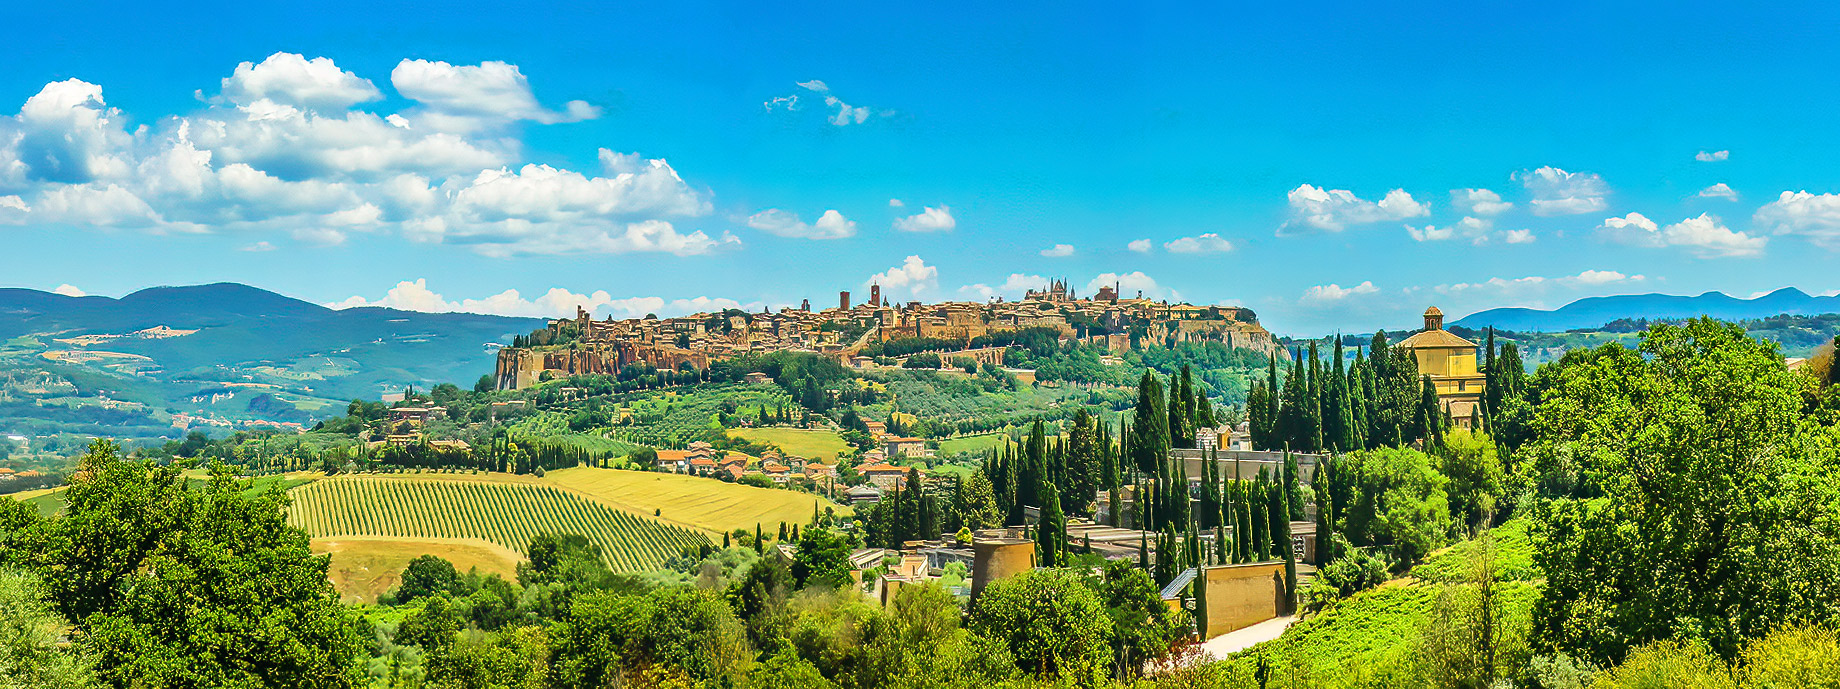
x=1241 y=639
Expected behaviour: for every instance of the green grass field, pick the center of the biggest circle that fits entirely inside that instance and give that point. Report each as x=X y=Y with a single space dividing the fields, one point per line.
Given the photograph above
x=1377 y=627
x=506 y=514
x=701 y=503
x=810 y=444
x=970 y=444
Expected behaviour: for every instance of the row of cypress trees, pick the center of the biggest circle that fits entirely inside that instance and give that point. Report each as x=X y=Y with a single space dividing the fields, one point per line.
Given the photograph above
x=1378 y=400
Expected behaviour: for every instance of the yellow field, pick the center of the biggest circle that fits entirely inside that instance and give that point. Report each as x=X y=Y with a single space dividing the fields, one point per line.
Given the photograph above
x=702 y=503
x=810 y=444
x=365 y=566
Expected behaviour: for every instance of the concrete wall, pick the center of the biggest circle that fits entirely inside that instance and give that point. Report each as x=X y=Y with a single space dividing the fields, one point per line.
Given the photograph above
x=1230 y=597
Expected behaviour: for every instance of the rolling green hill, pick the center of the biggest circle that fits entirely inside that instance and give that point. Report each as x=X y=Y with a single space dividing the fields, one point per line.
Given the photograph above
x=232 y=353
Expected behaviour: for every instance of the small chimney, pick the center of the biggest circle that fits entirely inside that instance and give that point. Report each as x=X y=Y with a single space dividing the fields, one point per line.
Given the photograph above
x=1434 y=319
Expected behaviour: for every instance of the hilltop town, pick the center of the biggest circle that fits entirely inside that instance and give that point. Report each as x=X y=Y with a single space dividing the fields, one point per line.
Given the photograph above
x=582 y=345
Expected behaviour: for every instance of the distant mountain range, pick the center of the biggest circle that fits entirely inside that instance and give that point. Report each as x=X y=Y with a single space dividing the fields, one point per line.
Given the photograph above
x=211 y=349
x=1596 y=311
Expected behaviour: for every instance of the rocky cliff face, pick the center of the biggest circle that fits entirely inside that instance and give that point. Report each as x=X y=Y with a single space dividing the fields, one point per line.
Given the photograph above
x=521 y=367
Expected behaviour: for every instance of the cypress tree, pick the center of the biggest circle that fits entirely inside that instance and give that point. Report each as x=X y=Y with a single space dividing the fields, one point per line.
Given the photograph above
x=1282 y=521
x=1431 y=415
x=1312 y=440
x=1325 y=511
x=1150 y=426
x=1236 y=512
x=1259 y=527
x=1143 y=551
x=1051 y=529
x=1293 y=485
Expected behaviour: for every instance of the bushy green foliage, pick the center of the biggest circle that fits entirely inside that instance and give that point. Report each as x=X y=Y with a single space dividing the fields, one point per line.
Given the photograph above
x=181 y=587
x=1054 y=625
x=1399 y=502
x=1692 y=501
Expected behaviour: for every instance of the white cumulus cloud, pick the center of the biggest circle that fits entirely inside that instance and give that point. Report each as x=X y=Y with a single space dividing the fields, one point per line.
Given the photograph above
x=913 y=278
x=929 y=220
x=466 y=98
x=1058 y=251
x=1141 y=246
x=414 y=295
x=70 y=290
x=1704 y=236
x=1719 y=191
x=292 y=79
x=1711 y=156
x=1813 y=216
x=830 y=225
x=1011 y=288
x=1131 y=284
x=1209 y=243
x=1322 y=294
x=1480 y=202
x=1557 y=192
x=1332 y=210
x=1518 y=236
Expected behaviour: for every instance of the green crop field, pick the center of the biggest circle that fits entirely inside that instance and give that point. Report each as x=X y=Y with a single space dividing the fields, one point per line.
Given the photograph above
x=825 y=445
x=506 y=514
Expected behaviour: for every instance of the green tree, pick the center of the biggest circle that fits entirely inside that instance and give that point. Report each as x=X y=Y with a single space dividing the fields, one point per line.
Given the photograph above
x=1051 y=529
x=1144 y=628
x=1718 y=512
x=31 y=654
x=823 y=558
x=1477 y=481
x=428 y=575
x=200 y=587
x=974 y=504
x=1399 y=502
x=1054 y=625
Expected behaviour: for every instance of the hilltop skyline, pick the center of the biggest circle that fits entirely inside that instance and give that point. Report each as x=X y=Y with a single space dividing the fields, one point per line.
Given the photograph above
x=516 y=163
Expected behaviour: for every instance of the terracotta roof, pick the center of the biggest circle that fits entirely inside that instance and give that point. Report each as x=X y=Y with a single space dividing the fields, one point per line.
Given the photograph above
x=903 y=440
x=1433 y=311
x=703 y=462
x=1436 y=339
x=672 y=455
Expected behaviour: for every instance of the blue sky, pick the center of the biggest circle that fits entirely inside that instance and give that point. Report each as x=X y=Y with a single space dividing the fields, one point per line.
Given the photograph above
x=1331 y=165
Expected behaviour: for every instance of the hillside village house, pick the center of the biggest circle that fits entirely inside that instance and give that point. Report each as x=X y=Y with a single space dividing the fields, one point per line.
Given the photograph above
x=884 y=476
x=905 y=447
x=416 y=416
x=674 y=460
x=1450 y=362
x=757 y=377
x=877 y=429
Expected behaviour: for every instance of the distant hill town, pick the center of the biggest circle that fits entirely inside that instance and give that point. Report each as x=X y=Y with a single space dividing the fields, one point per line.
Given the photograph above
x=582 y=345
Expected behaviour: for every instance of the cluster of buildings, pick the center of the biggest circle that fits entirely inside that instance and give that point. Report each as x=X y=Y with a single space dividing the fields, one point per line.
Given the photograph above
x=1106 y=318
x=702 y=459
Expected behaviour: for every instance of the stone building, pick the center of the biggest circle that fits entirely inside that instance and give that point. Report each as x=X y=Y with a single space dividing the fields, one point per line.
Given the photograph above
x=1450 y=362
